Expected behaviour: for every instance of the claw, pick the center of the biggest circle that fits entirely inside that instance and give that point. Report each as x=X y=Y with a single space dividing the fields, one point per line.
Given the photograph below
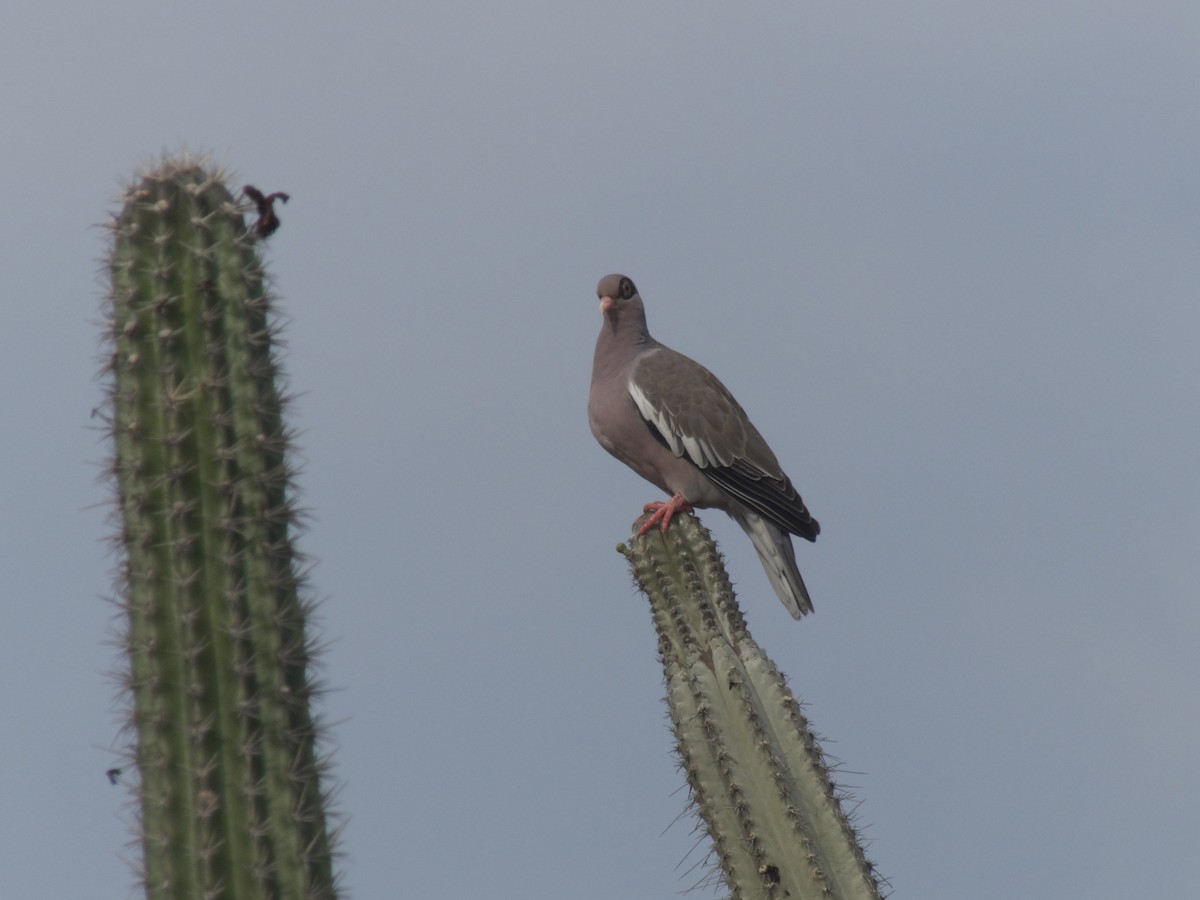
x=662 y=513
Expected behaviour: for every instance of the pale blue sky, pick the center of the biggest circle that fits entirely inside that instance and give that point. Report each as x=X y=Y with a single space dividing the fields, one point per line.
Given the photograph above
x=944 y=253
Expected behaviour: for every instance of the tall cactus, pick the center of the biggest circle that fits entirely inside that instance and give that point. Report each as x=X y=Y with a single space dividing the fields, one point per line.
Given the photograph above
x=757 y=776
x=218 y=661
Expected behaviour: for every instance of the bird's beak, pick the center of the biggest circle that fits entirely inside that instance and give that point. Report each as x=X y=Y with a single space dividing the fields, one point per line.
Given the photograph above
x=606 y=305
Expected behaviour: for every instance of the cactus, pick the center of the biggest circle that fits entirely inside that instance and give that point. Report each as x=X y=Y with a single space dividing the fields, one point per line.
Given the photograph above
x=217 y=672
x=757 y=777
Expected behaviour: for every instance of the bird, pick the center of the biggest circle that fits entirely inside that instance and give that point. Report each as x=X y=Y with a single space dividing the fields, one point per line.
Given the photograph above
x=674 y=423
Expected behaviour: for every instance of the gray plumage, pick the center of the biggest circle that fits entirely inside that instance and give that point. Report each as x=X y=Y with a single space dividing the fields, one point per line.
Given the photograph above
x=670 y=420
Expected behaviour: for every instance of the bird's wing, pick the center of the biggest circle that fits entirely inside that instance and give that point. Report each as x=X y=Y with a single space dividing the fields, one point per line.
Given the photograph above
x=694 y=415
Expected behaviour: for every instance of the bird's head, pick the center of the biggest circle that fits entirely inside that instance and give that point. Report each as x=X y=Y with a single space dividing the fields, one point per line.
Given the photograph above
x=617 y=293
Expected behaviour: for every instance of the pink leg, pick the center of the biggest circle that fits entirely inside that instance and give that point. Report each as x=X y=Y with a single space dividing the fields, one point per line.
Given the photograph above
x=663 y=512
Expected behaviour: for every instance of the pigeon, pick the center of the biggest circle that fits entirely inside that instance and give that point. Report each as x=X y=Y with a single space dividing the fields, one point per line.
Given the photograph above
x=670 y=420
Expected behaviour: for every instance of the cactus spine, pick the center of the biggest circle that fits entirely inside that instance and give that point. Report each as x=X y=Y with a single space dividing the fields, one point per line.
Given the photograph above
x=231 y=804
x=757 y=776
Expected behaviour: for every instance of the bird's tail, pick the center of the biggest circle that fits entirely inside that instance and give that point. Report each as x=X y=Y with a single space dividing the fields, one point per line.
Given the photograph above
x=774 y=548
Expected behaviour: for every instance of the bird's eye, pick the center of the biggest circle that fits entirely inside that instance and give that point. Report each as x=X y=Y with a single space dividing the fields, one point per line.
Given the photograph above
x=627 y=289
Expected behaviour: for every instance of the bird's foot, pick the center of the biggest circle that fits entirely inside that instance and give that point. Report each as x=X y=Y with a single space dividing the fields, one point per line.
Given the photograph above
x=662 y=513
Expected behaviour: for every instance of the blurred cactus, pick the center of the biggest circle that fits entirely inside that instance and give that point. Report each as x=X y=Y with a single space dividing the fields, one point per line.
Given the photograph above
x=223 y=740
x=758 y=779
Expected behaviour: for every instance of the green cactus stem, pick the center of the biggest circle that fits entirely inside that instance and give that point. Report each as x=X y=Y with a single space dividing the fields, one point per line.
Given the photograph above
x=218 y=669
x=758 y=779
